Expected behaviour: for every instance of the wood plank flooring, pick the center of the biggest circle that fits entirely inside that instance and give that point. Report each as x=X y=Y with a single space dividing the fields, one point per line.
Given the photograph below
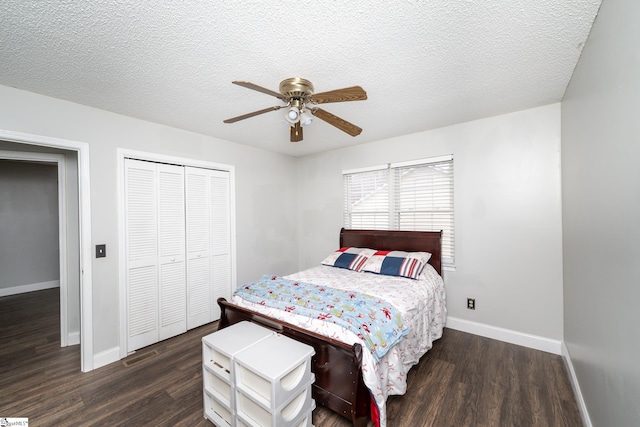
x=464 y=380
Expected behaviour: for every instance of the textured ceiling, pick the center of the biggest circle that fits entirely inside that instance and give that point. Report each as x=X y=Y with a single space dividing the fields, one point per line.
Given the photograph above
x=424 y=64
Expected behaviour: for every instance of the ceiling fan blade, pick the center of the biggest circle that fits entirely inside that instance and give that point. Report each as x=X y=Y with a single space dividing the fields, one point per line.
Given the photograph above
x=353 y=93
x=255 y=113
x=253 y=86
x=336 y=121
x=296 y=132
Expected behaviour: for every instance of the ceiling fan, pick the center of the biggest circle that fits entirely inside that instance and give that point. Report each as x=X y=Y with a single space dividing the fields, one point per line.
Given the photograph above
x=299 y=99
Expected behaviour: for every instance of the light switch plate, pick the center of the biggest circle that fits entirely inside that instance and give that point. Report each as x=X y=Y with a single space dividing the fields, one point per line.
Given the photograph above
x=101 y=251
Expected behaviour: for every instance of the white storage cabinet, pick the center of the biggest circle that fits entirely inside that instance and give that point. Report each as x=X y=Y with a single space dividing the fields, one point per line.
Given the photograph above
x=273 y=383
x=218 y=353
x=254 y=377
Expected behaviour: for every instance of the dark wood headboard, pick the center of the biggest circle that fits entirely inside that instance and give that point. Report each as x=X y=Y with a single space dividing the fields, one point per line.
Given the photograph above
x=389 y=240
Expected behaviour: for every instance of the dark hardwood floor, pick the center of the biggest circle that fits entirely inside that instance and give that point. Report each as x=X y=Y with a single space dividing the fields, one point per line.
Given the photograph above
x=464 y=380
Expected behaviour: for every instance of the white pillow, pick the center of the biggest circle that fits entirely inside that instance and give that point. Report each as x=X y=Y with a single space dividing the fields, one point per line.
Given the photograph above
x=349 y=258
x=397 y=263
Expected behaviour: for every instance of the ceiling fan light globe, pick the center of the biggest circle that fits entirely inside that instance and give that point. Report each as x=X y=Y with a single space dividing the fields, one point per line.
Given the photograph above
x=293 y=115
x=305 y=119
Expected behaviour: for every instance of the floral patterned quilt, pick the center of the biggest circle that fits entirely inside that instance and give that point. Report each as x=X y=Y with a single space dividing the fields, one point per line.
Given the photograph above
x=421 y=302
x=378 y=323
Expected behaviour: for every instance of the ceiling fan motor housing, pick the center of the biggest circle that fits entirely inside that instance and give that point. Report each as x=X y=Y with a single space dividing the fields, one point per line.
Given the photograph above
x=296 y=87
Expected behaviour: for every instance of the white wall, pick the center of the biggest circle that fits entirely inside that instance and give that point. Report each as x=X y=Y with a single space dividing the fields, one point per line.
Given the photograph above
x=265 y=198
x=601 y=216
x=507 y=213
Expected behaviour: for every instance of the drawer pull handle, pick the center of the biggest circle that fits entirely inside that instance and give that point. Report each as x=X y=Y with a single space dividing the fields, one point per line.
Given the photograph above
x=221 y=367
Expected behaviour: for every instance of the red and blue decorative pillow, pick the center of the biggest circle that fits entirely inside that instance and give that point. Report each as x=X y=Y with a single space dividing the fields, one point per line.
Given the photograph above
x=349 y=258
x=397 y=263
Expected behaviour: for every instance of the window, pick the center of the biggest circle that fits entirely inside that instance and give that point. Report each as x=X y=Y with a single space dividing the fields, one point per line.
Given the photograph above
x=415 y=195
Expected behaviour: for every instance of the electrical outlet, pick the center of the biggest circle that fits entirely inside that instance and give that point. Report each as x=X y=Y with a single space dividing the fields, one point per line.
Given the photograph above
x=471 y=303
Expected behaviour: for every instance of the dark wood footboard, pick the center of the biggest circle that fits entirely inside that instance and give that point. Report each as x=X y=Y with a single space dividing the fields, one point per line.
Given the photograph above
x=336 y=365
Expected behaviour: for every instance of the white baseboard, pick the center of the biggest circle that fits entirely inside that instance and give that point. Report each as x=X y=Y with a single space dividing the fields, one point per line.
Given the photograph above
x=582 y=406
x=506 y=335
x=106 y=357
x=14 y=290
x=73 y=338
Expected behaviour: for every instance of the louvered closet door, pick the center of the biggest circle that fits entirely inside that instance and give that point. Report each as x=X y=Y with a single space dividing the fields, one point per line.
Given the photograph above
x=220 y=220
x=178 y=248
x=171 y=233
x=155 y=234
x=208 y=243
x=198 y=247
x=142 y=253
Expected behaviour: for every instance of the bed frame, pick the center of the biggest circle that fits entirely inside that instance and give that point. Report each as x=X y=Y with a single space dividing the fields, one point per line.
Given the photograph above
x=336 y=365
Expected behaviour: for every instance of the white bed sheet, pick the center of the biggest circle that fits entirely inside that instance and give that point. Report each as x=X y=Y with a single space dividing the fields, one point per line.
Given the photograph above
x=422 y=303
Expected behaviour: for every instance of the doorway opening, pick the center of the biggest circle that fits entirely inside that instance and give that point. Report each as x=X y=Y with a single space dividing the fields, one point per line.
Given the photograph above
x=73 y=169
x=37 y=233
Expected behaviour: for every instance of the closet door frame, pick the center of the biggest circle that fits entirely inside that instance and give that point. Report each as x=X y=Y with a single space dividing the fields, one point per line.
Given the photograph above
x=123 y=154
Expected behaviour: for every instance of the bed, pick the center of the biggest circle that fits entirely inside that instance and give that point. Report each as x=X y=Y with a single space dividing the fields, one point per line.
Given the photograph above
x=338 y=363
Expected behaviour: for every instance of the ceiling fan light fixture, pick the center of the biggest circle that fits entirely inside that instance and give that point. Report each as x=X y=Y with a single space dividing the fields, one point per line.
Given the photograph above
x=305 y=118
x=293 y=115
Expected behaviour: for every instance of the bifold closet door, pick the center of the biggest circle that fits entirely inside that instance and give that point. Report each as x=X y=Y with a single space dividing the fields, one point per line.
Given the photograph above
x=155 y=252
x=171 y=231
x=198 y=247
x=220 y=220
x=208 y=243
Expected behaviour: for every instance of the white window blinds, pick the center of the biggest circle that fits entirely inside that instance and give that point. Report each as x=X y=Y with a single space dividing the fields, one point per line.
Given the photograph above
x=405 y=196
x=367 y=200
